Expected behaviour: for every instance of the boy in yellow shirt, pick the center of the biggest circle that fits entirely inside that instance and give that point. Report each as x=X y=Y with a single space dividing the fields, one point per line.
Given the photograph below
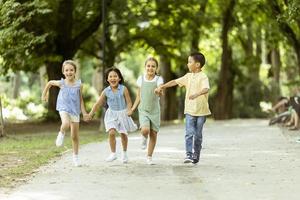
x=196 y=104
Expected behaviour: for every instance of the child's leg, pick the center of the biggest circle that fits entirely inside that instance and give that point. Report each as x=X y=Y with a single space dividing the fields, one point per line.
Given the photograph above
x=190 y=131
x=65 y=122
x=152 y=142
x=198 y=138
x=124 y=140
x=112 y=144
x=112 y=140
x=75 y=136
x=145 y=131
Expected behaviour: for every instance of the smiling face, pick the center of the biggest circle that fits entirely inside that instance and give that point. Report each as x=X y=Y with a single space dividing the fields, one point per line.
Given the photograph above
x=193 y=65
x=113 y=79
x=69 y=71
x=151 y=68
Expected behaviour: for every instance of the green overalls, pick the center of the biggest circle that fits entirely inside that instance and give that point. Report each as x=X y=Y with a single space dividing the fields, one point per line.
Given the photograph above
x=149 y=108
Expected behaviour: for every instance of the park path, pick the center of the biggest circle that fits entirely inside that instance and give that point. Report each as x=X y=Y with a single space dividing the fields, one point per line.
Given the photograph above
x=241 y=159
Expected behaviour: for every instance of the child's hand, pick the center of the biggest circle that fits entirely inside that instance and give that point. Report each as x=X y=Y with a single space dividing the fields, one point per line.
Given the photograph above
x=194 y=96
x=158 y=91
x=129 y=112
x=86 y=117
x=45 y=98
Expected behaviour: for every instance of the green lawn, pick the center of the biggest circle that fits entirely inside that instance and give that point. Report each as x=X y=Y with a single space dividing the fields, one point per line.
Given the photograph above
x=22 y=153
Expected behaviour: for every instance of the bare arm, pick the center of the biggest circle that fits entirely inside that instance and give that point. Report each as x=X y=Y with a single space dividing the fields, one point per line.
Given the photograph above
x=127 y=98
x=279 y=104
x=203 y=91
x=47 y=87
x=168 y=84
x=82 y=107
x=160 y=88
x=137 y=100
x=98 y=103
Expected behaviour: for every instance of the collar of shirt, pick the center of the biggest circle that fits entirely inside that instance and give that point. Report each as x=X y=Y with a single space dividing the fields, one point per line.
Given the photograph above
x=119 y=87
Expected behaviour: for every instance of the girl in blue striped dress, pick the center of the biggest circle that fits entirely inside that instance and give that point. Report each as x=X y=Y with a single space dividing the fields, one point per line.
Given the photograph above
x=69 y=104
x=116 y=117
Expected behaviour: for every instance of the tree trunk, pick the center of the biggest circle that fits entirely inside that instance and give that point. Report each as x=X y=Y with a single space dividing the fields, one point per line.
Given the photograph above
x=42 y=73
x=224 y=98
x=17 y=84
x=2 y=133
x=197 y=26
x=275 y=67
x=54 y=73
x=169 y=104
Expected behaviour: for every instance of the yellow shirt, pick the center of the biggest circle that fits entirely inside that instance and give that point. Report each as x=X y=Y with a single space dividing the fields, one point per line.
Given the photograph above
x=194 y=83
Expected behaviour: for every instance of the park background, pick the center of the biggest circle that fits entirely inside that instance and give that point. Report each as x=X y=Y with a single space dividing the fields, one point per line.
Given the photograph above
x=252 y=50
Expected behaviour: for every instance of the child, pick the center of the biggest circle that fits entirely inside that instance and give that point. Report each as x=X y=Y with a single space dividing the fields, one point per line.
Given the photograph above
x=149 y=108
x=69 y=103
x=196 y=104
x=116 y=117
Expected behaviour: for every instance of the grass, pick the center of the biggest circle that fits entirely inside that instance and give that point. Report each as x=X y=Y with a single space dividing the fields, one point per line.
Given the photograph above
x=27 y=147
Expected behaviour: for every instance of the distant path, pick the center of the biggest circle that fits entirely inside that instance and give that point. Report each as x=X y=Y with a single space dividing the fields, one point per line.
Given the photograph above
x=241 y=159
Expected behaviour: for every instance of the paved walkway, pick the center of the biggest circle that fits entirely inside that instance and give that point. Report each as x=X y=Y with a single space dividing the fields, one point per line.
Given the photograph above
x=241 y=159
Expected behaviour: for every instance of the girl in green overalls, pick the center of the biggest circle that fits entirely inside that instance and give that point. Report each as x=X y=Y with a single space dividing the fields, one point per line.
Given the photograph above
x=148 y=106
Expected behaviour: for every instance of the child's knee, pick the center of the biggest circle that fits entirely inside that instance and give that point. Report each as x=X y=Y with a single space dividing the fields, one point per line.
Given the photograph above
x=65 y=126
x=145 y=131
x=112 y=132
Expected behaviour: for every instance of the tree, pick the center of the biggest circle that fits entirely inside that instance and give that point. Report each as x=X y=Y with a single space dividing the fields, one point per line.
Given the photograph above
x=1 y=121
x=286 y=13
x=69 y=24
x=224 y=99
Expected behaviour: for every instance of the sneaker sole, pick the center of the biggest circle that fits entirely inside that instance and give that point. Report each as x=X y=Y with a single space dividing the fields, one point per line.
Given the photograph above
x=187 y=161
x=111 y=160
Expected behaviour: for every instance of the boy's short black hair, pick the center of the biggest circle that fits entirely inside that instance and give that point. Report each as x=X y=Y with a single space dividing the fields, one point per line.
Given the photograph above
x=198 y=57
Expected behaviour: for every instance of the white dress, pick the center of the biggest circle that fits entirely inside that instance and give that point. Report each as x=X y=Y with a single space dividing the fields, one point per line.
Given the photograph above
x=116 y=115
x=119 y=120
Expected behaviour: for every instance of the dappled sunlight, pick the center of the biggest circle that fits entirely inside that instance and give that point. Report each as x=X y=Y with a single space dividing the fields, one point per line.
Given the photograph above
x=35 y=109
x=14 y=113
x=265 y=106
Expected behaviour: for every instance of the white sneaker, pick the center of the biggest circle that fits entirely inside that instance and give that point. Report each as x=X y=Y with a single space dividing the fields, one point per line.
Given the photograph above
x=144 y=142
x=149 y=160
x=60 y=139
x=111 y=157
x=76 y=161
x=124 y=157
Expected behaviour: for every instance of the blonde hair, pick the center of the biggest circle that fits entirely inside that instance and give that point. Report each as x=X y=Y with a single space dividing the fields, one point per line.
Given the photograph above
x=69 y=62
x=156 y=62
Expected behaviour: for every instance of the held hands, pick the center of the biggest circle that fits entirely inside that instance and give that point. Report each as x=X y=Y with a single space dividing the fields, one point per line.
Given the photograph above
x=158 y=91
x=129 y=112
x=87 y=117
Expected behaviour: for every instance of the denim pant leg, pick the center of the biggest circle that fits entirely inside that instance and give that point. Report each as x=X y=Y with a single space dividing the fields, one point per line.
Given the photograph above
x=190 y=131
x=198 y=137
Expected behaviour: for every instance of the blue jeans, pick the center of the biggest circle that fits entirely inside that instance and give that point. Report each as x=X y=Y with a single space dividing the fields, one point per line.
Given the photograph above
x=193 y=135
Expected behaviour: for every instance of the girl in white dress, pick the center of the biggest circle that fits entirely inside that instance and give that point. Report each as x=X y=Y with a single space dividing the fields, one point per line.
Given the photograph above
x=116 y=117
